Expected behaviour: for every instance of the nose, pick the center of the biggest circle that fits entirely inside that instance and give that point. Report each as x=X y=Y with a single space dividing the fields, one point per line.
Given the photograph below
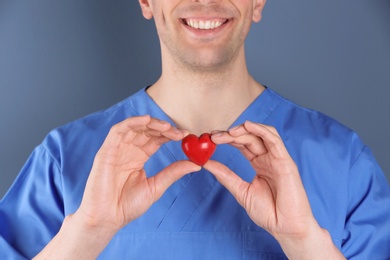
x=206 y=1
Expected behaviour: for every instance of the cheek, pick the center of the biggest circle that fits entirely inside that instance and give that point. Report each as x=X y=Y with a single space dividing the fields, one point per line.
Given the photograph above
x=163 y=18
x=246 y=23
x=160 y=23
x=246 y=10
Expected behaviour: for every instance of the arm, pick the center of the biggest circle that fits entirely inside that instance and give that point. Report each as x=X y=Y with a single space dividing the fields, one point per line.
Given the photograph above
x=117 y=189
x=276 y=199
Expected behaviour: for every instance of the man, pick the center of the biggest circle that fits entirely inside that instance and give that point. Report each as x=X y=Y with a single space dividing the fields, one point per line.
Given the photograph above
x=284 y=181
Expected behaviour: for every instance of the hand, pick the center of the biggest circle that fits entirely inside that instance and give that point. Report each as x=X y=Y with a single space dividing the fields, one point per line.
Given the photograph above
x=276 y=199
x=118 y=190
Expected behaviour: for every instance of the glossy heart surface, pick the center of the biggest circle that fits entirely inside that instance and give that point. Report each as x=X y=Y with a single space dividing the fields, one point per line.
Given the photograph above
x=198 y=150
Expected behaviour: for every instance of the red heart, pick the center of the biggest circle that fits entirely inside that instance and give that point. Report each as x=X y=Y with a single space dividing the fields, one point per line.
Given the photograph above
x=198 y=150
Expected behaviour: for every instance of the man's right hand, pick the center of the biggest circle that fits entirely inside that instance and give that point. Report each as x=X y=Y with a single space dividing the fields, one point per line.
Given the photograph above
x=118 y=190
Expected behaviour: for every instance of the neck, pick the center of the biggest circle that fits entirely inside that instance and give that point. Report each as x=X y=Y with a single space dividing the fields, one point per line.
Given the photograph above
x=203 y=101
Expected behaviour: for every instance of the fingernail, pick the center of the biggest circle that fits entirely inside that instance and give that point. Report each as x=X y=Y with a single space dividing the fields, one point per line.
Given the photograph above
x=163 y=122
x=177 y=131
x=234 y=128
x=216 y=131
x=185 y=132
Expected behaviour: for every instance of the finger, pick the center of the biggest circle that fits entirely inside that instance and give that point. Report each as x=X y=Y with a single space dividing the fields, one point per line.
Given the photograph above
x=154 y=144
x=175 y=134
x=160 y=127
x=238 y=130
x=237 y=186
x=164 y=179
x=216 y=131
x=151 y=140
x=271 y=139
x=154 y=129
x=131 y=124
x=125 y=130
x=249 y=144
x=221 y=137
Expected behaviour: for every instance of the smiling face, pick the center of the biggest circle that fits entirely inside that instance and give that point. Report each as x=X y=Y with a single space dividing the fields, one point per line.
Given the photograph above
x=204 y=34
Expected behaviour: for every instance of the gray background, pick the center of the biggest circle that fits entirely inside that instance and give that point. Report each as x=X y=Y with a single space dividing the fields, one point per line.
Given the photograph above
x=60 y=60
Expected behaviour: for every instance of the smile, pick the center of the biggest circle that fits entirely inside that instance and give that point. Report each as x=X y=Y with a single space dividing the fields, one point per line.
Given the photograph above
x=204 y=24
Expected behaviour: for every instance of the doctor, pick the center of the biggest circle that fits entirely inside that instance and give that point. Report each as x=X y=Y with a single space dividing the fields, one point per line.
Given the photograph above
x=284 y=182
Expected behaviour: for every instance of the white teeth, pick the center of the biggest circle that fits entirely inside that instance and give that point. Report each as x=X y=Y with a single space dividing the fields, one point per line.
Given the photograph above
x=203 y=25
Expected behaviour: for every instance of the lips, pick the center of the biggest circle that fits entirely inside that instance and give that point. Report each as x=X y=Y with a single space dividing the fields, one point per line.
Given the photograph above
x=204 y=24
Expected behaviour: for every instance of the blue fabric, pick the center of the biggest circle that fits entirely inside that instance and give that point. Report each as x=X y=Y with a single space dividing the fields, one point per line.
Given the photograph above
x=197 y=218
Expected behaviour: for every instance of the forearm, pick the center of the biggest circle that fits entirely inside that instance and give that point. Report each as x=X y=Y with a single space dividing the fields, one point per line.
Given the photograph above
x=77 y=240
x=316 y=245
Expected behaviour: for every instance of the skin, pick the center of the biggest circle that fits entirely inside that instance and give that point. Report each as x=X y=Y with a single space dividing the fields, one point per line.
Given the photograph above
x=276 y=199
x=201 y=72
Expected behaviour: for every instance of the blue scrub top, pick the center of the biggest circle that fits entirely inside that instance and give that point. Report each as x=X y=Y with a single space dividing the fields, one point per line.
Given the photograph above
x=197 y=218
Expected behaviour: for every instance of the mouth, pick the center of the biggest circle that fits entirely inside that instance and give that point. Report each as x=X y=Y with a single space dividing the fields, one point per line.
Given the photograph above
x=204 y=24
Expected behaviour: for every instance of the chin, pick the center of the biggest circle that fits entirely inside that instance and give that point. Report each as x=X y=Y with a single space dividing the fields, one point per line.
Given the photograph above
x=210 y=62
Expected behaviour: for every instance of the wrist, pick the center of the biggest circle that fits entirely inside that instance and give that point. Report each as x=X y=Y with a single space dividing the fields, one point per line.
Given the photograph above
x=315 y=244
x=77 y=239
x=89 y=233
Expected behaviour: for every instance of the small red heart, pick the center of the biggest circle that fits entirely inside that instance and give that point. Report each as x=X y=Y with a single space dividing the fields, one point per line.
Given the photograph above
x=198 y=150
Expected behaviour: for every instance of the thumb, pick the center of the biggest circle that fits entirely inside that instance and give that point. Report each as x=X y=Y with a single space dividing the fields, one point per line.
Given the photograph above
x=164 y=179
x=232 y=182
